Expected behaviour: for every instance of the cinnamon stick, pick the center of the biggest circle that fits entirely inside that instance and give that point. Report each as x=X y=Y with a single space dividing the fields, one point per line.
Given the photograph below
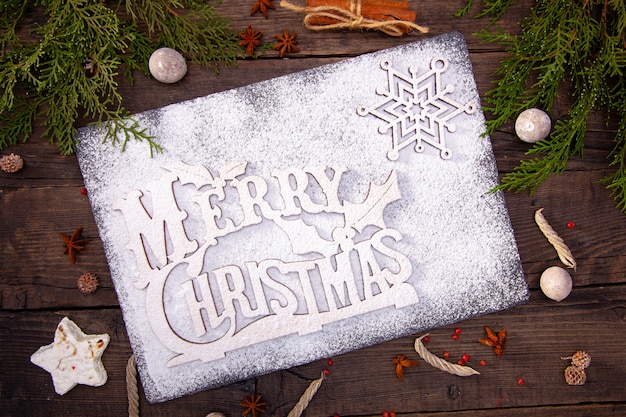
x=370 y=9
x=345 y=4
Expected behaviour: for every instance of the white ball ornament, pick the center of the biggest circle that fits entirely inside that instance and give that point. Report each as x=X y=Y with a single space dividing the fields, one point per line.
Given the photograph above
x=556 y=283
x=167 y=65
x=215 y=414
x=533 y=125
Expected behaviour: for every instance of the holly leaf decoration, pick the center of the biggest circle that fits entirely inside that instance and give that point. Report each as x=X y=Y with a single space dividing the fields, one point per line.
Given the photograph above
x=370 y=211
x=304 y=238
x=200 y=176
x=197 y=175
x=232 y=171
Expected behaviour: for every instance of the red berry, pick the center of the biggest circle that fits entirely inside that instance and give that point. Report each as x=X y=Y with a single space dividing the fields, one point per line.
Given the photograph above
x=461 y=362
x=426 y=339
x=446 y=355
x=571 y=225
x=83 y=191
x=392 y=414
x=457 y=330
x=482 y=362
x=465 y=357
x=520 y=381
x=455 y=337
x=326 y=372
x=330 y=362
x=385 y=414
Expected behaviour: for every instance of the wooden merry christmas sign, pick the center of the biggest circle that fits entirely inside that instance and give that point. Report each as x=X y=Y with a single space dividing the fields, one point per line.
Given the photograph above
x=303 y=217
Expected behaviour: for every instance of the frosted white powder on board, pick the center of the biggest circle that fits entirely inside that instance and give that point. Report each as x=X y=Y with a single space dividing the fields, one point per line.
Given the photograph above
x=456 y=235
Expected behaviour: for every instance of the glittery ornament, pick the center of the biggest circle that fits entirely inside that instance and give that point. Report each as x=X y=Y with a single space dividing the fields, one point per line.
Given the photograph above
x=533 y=125
x=11 y=163
x=167 y=65
x=575 y=375
x=87 y=283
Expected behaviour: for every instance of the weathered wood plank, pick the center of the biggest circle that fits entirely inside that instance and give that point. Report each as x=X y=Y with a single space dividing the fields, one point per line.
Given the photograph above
x=37 y=282
x=36 y=274
x=362 y=382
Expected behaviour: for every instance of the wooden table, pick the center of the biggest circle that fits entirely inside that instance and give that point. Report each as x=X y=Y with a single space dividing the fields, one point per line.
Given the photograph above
x=38 y=284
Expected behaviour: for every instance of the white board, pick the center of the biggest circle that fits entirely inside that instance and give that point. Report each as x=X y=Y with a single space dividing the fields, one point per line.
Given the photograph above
x=304 y=217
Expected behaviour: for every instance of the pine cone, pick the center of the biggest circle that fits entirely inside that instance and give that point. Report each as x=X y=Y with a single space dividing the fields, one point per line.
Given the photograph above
x=581 y=359
x=87 y=283
x=575 y=375
x=11 y=163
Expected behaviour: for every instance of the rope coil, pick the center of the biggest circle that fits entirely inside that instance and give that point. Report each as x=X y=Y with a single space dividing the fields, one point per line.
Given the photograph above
x=132 y=390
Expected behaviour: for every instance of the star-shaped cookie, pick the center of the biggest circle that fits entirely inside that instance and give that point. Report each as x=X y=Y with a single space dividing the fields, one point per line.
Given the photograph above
x=73 y=358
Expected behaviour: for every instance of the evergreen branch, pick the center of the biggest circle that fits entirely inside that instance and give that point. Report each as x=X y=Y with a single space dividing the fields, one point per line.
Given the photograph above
x=565 y=141
x=465 y=10
x=195 y=28
x=582 y=42
x=71 y=70
x=16 y=125
x=493 y=8
x=617 y=180
x=120 y=131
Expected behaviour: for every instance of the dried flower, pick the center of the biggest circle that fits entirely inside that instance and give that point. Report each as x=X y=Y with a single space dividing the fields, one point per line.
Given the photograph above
x=73 y=243
x=11 y=163
x=252 y=404
x=402 y=362
x=496 y=341
x=286 y=43
x=87 y=283
x=262 y=5
x=250 y=39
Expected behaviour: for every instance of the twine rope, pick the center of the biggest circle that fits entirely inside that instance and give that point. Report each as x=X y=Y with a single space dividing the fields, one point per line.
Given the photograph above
x=563 y=252
x=306 y=397
x=132 y=391
x=437 y=362
x=350 y=19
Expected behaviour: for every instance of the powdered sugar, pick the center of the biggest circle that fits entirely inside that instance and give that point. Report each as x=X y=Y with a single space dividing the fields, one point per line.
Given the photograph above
x=444 y=237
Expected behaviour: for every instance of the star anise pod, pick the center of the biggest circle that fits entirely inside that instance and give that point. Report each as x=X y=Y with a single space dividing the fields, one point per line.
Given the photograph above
x=250 y=39
x=73 y=243
x=496 y=341
x=262 y=5
x=286 y=43
x=252 y=404
x=402 y=362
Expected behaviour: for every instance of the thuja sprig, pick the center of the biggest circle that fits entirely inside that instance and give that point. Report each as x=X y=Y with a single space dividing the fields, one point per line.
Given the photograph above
x=67 y=68
x=581 y=42
x=191 y=26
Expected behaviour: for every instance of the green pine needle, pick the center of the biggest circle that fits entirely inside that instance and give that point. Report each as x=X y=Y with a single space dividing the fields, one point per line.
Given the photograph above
x=68 y=68
x=580 y=42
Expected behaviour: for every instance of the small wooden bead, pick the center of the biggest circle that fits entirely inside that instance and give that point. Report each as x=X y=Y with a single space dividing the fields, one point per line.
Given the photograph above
x=167 y=65
x=556 y=283
x=533 y=125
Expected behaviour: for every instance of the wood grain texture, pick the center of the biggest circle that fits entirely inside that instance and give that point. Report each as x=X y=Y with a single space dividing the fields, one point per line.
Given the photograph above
x=38 y=284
